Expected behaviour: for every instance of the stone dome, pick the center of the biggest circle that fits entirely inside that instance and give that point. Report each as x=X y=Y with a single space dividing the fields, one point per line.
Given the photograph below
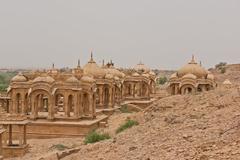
x=210 y=76
x=92 y=69
x=116 y=78
x=109 y=76
x=114 y=72
x=227 y=82
x=141 y=67
x=174 y=75
x=192 y=68
x=46 y=79
x=87 y=79
x=191 y=76
x=19 y=78
x=152 y=73
x=72 y=79
x=146 y=75
x=135 y=74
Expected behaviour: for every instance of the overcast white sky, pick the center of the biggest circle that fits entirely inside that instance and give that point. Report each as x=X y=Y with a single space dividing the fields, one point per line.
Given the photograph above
x=161 y=33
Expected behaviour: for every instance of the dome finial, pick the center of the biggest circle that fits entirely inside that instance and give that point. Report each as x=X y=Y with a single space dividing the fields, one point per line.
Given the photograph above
x=91 y=55
x=193 y=60
x=78 y=63
x=53 y=66
x=91 y=59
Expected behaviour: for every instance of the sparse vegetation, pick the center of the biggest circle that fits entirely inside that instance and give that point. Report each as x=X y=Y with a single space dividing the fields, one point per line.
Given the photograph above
x=94 y=137
x=59 y=147
x=162 y=80
x=5 y=79
x=124 y=109
x=223 y=70
x=221 y=67
x=128 y=124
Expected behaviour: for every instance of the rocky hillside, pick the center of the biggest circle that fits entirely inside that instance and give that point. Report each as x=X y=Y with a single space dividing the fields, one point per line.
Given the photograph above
x=164 y=73
x=203 y=126
x=232 y=72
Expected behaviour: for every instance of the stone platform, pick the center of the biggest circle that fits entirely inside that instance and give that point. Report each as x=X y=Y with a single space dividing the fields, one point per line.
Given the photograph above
x=107 y=111
x=14 y=151
x=62 y=129
x=140 y=103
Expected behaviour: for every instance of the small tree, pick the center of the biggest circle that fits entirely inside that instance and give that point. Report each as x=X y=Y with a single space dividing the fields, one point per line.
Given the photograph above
x=221 y=67
x=94 y=137
x=223 y=70
x=126 y=125
x=162 y=80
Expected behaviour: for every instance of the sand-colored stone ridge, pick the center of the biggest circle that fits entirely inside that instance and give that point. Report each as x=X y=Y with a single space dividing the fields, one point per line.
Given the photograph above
x=232 y=72
x=202 y=126
x=12 y=117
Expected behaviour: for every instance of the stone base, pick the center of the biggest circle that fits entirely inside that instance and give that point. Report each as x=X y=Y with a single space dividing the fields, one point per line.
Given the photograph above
x=63 y=129
x=107 y=111
x=14 y=151
x=140 y=103
x=136 y=98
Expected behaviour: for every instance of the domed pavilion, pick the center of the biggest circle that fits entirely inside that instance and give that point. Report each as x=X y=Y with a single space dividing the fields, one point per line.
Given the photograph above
x=53 y=97
x=191 y=78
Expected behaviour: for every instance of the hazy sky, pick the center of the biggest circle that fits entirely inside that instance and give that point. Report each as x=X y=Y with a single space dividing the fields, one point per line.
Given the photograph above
x=161 y=33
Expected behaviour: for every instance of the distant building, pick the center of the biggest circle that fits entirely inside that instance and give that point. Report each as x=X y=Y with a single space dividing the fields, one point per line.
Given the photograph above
x=191 y=78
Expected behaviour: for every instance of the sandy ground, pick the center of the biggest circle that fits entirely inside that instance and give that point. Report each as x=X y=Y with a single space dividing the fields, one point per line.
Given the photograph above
x=40 y=147
x=204 y=126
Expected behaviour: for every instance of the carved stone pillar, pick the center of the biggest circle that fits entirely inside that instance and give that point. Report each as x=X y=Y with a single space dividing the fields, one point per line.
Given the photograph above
x=110 y=97
x=65 y=105
x=113 y=96
x=8 y=106
x=100 y=95
x=132 y=90
x=24 y=134
x=10 y=135
x=94 y=106
x=14 y=101
x=176 y=89
x=24 y=106
x=76 y=107
x=80 y=104
x=69 y=105
x=90 y=99
x=34 y=110
x=51 y=108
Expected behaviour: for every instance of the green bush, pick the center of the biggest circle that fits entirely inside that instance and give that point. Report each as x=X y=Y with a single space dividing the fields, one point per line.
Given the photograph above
x=94 y=137
x=128 y=124
x=59 y=147
x=3 y=87
x=5 y=79
x=223 y=70
x=124 y=109
x=221 y=67
x=162 y=80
